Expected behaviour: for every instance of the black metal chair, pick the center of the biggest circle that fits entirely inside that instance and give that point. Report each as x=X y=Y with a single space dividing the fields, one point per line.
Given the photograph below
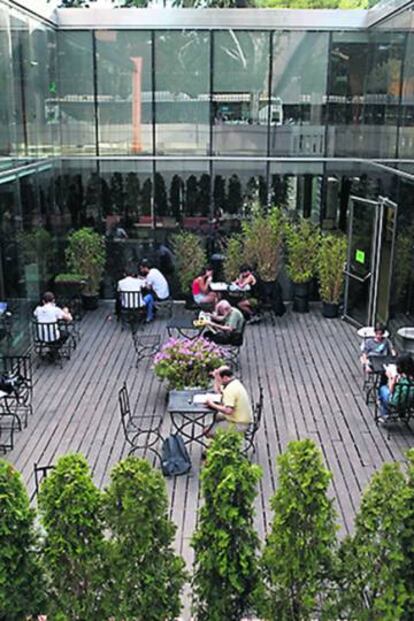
x=145 y=345
x=403 y=409
x=52 y=341
x=40 y=473
x=142 y=433
x=17 y=372
x=253 y=428
x=164 y=306
x=131 y=309
x=232 y=350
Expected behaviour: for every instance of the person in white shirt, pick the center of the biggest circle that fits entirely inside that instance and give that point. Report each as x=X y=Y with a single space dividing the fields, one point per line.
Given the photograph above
x=49 y=313
x=157 y=284
x=133 y=285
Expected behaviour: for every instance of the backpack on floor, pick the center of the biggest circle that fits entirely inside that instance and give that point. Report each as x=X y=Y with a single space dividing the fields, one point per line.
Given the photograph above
x=175 y=459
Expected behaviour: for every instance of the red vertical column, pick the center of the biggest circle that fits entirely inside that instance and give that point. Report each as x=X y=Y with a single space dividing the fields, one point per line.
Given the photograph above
x=136 y=146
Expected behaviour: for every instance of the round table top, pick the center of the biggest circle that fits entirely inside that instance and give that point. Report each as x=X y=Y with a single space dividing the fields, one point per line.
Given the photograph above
x=368 y=332
x=406 y=332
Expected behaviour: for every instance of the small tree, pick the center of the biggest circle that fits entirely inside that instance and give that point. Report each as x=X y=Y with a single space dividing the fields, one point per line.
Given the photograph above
x=298 y=554
x=204 y=194
x=132 y=197
x=234 y=198
x=263 y=238
x=234 y=257
x=225 y=542
x=117 y=193
x=191 y=196
x=160 y=195
x=22 y=590
x=146 y=195
x=70 y=507
x=408 y=541
x=219 y=193
x=191 y=257
x=176 y=196
x=372 y=573
x=302 y=241
x=147 y=574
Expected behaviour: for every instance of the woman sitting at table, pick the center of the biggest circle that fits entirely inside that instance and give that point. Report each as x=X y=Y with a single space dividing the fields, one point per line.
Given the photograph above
x=247 y=279
x=400 y=387
x=200 y=287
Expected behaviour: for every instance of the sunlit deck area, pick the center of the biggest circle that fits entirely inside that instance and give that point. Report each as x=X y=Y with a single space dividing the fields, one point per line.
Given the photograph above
x=311 y=377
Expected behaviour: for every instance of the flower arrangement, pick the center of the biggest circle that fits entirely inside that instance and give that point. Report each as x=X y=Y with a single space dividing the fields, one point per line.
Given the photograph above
x=185 y=363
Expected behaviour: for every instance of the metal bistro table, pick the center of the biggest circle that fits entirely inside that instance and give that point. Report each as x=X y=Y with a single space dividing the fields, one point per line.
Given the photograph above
x=191 y=420
x=229 y=288
x=185 y=327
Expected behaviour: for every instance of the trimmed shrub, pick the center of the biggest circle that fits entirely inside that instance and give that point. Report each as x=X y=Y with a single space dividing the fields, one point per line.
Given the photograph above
x=298 y=555
x=74 y=552
x=22 y=585
x=372 y=572
x=225 y=542
x=147 y=575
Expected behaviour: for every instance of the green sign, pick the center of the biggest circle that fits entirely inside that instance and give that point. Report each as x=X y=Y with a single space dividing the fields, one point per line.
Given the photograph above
x=360 y=256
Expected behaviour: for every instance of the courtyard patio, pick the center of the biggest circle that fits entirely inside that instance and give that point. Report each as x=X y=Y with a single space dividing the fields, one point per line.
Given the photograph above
x=311 y=377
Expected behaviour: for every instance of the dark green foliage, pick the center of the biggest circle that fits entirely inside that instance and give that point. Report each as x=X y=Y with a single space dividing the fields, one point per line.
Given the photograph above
x=204 y=195
x=298 y=555
x=191 y=196
x=262 y=191
x=219 y=193
x=132 y=197
x=234 y=197
x=147 y=575
x=160 y=195
x=146 y=197
x=372 y=570
x=176 y=196
x=22 y=590
x=279 y=190
x=408 y=541
x=117 y=193
x=225 y=542
x=98 y=197
x=70 y=507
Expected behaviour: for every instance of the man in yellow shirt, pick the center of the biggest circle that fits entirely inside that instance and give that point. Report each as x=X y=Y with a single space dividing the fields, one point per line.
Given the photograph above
x=235 y=409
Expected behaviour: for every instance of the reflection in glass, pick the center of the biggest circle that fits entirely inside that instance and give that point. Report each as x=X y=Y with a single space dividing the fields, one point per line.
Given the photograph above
x=182 y=92
x=241 y=102
x=76 y=92
x=299 y=79
x=124 y=91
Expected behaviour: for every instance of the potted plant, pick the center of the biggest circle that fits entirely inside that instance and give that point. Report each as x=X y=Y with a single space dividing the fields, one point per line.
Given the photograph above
x=302 y=241
x=234 y=253
x=263 y=244
x=69 y=285
x=37 y=250
x=191 y=258
x=86 y=254
x=331 y=261
x=187 y=363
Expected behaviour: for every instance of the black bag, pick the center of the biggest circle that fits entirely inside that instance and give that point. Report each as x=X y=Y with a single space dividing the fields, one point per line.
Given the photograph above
x=10 y=382
x=175 y=459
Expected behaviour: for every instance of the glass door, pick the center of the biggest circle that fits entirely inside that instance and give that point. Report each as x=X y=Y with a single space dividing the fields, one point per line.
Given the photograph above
x=368 y=271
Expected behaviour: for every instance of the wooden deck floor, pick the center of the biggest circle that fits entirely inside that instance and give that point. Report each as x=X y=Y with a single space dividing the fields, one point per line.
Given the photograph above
x=312 y=388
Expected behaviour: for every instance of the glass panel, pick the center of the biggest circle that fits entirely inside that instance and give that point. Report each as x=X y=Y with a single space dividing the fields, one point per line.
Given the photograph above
x=124 y=91
x=363 y=222
x=182 y=92
x=19 y=36
x=406 y=137
x=7 y=125
x=297 y=186
x=297 y=124
x=76 y=92
x=240 y=92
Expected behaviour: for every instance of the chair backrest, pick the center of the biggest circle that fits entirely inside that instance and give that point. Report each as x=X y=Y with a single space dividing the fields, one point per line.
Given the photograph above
x=131 y=299
x=17 y=365
x=40 y=473
x=402 y=399
x=45 y=332
x=125 y=408
x=258 y=409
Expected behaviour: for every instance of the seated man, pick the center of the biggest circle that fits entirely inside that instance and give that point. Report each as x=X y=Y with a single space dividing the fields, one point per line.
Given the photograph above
x=157 y=285
x=227 y=325
x=132 y=286
x=378 y=345
x=49 y=313
x=235 y=409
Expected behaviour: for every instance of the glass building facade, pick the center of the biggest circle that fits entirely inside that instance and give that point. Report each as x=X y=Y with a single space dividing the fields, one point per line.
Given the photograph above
x=108 y=119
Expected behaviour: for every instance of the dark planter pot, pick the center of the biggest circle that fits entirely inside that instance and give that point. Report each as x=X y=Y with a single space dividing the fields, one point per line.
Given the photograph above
x=301 y=297
x=67 y=289
x=330 y=310
x=90 y=302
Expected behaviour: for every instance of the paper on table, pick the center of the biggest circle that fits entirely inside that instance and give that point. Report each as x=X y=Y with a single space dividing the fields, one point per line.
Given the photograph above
x=201 y=399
